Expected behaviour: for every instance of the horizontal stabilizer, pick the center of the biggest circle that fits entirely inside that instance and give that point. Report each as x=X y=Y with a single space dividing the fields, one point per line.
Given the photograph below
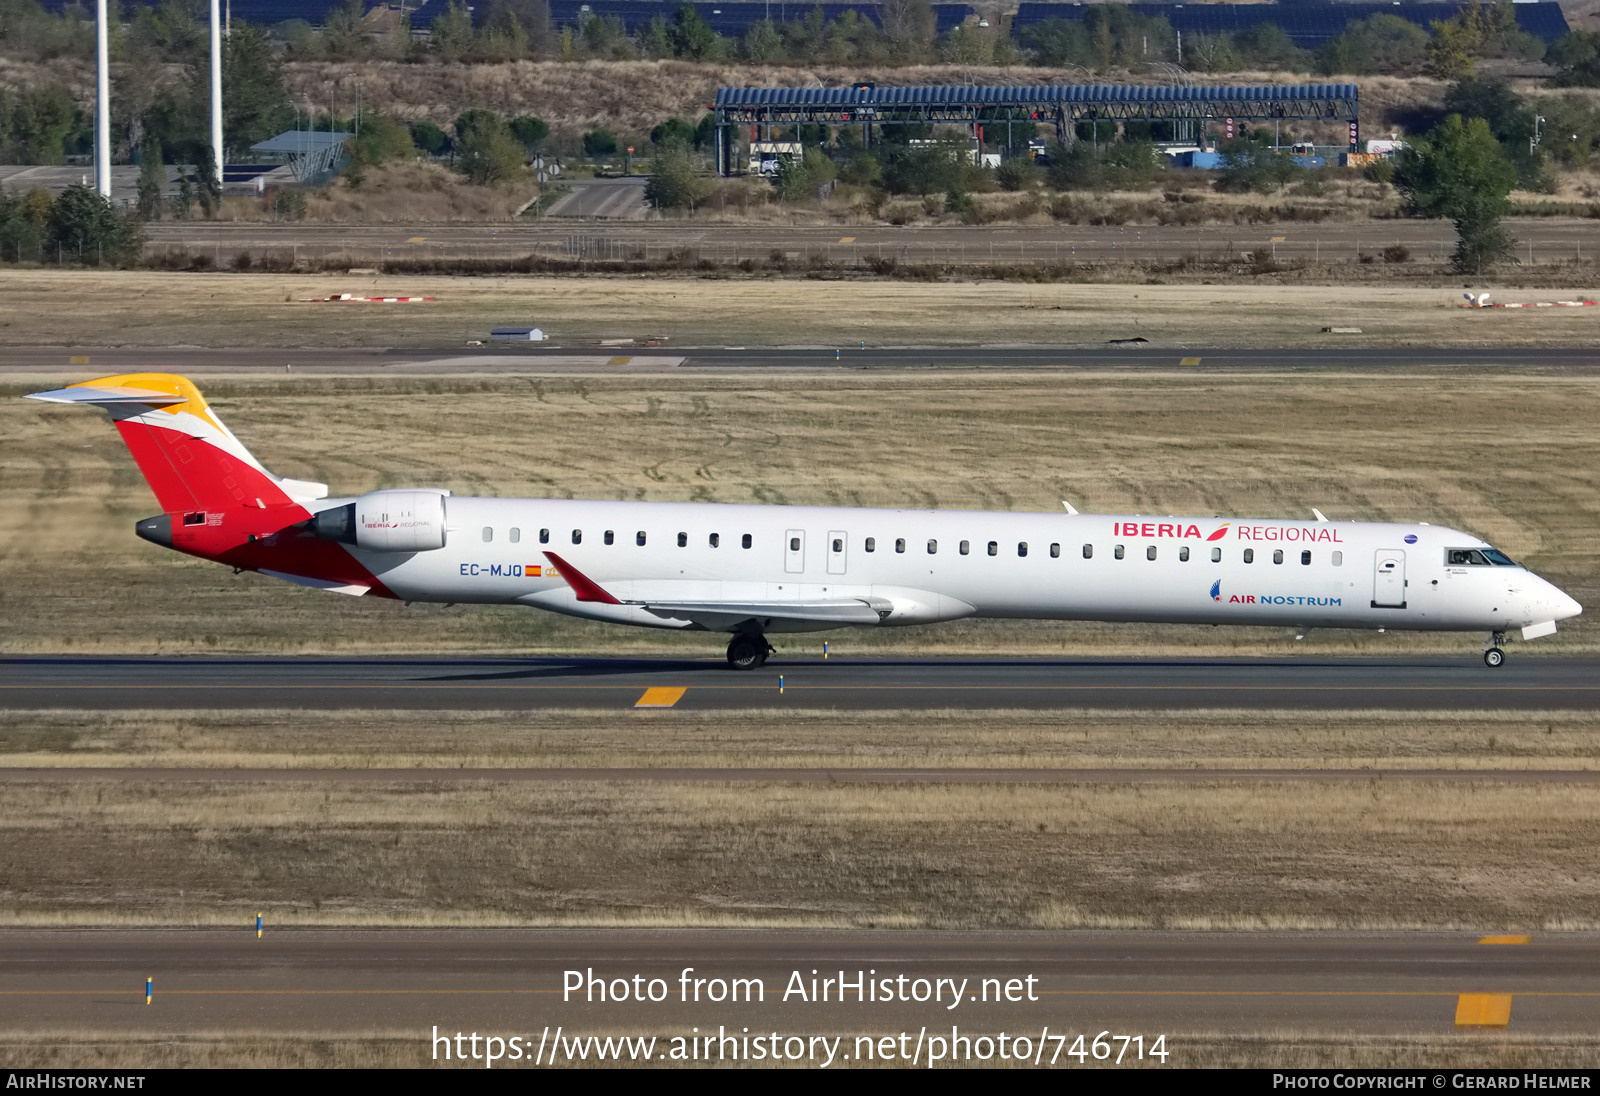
x=117 y=395
x=354 y=590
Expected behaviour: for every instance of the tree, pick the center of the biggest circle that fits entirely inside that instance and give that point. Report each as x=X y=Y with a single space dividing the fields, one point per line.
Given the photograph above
x=344 y=34
x=152 y=180
x=1577 y=57
x=799 y=176
x=489 y=153
x=429 y=137
x=210 y=188
x=692 y=36
x=1251 y=164
x=599 y=142
x=451 y=36
x=1459 y=172
x=41 y=118
x=24 y=222
x=531 y=131
x=676 y=182
x=674 y=131
x=255 y=100
x=1379 y=44
x=87 y=227
x=383 y=139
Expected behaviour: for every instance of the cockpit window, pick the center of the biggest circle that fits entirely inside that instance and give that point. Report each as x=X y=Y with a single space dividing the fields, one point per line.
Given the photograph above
x=1476 y=557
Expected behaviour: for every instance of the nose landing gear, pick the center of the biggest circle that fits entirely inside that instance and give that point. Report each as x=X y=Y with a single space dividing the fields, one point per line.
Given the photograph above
x=1494 y=656
x=747 y=650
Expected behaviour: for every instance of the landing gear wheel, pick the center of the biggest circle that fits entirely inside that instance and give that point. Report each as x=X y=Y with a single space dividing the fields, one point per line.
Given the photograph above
x=746 y=652
x=1494 y=656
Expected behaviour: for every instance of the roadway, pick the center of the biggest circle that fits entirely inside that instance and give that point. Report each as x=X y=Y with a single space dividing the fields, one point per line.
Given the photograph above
x=804 y=682
x=510 y=982
x=587 y=358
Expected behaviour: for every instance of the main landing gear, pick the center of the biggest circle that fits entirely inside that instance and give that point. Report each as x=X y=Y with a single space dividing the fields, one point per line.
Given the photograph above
x=1494 y=656
x=747 y=650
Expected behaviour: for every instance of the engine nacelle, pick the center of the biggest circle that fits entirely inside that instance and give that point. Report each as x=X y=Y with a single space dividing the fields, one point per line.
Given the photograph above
x=387 y=521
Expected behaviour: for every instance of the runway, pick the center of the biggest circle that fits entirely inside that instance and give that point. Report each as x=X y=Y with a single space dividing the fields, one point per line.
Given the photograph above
x=803 y=682
x=587 y=358
x=512 y=982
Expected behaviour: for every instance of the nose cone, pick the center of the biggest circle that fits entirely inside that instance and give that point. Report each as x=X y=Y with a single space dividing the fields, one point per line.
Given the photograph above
x=1557 y=602
x=1566 y=606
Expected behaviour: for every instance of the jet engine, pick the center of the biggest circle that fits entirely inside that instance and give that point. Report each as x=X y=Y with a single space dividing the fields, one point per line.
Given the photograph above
x=387 y=521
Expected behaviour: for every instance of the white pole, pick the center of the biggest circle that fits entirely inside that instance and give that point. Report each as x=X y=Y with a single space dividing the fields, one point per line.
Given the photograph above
x=216 y=90
x=102 y=103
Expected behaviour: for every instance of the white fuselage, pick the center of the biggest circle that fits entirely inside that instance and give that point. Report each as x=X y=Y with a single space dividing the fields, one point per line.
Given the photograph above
x=920 y=566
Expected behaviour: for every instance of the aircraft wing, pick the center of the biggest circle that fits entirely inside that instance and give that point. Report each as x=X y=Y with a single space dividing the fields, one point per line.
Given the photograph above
x=716 y=614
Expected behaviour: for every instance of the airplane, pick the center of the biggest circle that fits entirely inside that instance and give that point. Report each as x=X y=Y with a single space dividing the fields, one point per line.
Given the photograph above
x=756 y=570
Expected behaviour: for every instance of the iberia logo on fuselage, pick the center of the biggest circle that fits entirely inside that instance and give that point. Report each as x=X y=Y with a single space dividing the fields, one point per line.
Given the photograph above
x=1176 y=530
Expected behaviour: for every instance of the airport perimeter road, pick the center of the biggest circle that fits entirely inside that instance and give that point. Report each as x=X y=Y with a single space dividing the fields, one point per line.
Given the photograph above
x=848 y=684
x=427 y=361
x=509 y=982
x=1555 y=240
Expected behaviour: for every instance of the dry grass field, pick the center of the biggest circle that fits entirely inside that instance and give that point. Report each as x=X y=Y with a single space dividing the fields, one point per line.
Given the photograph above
x=1514 y=461
x=1222 y=854
x=45 y=308
x=789 y=738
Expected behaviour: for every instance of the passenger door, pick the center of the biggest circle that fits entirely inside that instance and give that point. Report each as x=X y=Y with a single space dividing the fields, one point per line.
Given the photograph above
x=1389 y=579
x=838 y=551
x=794 y=551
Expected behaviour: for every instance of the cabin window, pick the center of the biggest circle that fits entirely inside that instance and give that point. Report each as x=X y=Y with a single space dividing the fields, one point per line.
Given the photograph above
x=794 y=544
x=639 y=538
x=966 y=547
x=195 y=517
x=838 y=544
x=900 y=544
x=1118 y=551
x=1277 y=555
x=610 y=537
x=577 y=536
x=1305 y=558
x=1022 y=548
x=516 y=535
x=1338 y=559
x=544 y=536
x=683 y=540
x=994 y=548
x=488 y=534
x=1249 y=555
x=872 y=544
x=933 y=547
x=1088 y=551
x=1055 y=551
x=716 y=540
x=746 y=541
x=1183 y=554
x=1150 y=552
x=1216 y=555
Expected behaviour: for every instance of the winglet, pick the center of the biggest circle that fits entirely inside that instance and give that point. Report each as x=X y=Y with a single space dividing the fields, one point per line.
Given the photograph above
x=586 y=588
x=1069 y=506
x=1320 y=515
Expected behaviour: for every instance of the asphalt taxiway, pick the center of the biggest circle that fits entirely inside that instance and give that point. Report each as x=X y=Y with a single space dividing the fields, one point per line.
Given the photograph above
x=513 y=982
x=805 y=682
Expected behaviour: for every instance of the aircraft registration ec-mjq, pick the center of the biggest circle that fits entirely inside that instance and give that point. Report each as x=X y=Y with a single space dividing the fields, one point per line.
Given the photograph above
x=753 y=570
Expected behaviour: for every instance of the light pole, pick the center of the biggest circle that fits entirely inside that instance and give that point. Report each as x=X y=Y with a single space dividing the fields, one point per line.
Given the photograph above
x=1533 y=142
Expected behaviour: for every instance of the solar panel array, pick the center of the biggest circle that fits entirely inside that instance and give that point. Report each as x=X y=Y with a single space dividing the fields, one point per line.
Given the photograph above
x=1309 y=24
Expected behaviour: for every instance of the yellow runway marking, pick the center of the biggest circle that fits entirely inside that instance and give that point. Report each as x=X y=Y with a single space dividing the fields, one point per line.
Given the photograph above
x=1188 y=361
x=1483 y=1010
x=847 y=239
x=660 y=696
x=416 y=239
x=1511 y=939
x=78 y=359
x=620 y=359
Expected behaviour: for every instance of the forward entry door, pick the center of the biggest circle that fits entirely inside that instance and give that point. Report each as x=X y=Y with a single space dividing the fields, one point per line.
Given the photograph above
x=1389 y=579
